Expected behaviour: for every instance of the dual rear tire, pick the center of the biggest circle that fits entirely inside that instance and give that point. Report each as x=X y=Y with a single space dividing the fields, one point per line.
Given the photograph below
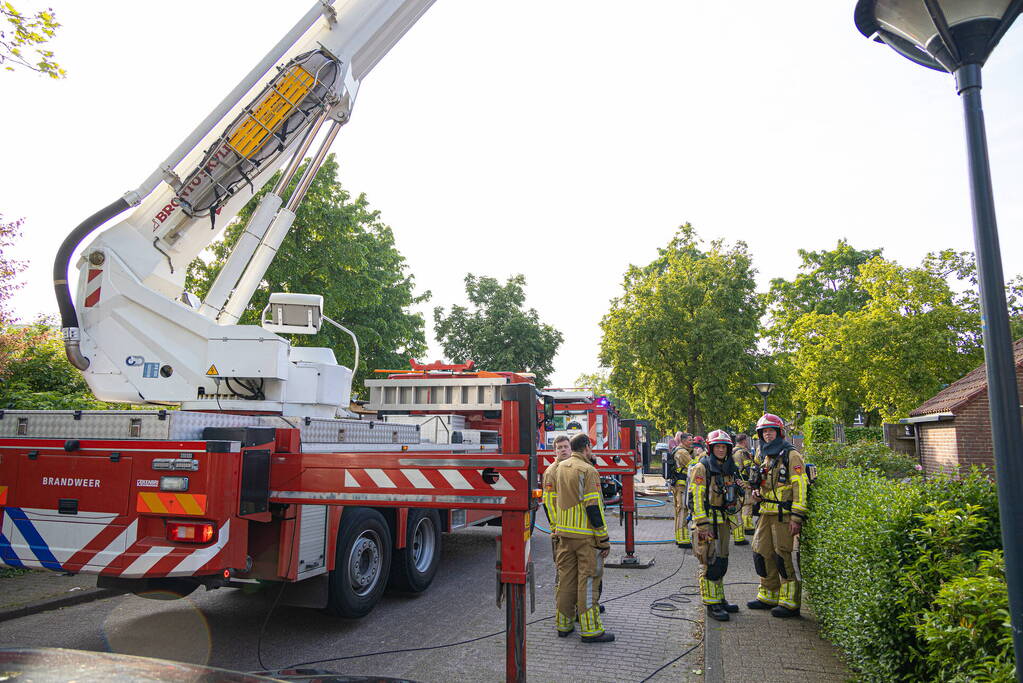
x=366 y=562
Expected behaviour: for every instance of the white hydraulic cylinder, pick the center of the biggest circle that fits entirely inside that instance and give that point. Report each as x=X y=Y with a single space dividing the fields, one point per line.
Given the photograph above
x=257 y=266
x=243 y=250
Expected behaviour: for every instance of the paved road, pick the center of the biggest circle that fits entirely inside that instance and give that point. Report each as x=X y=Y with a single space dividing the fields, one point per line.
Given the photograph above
x=221 y=627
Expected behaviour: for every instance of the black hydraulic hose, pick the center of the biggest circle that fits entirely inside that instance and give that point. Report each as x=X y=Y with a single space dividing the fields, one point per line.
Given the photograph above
x=68 y=315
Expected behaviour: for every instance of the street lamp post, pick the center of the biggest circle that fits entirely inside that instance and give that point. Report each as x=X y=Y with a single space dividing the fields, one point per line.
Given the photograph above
x=957 y=36
x=765 y=388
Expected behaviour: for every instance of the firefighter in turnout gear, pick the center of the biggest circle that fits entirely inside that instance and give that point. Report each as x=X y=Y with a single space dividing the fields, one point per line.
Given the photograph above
x=715 y=495
x=682 y=459
x=744 y=461
x=583 y=543
x=562 y=450
x=779 y=484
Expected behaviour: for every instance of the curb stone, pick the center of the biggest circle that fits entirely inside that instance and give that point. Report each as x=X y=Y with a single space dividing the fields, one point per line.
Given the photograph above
x=713 y=664
x=88 y=595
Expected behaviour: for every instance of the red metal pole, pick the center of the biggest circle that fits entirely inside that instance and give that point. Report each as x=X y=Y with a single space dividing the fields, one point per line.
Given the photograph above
x=513 y=575
x=629 y=512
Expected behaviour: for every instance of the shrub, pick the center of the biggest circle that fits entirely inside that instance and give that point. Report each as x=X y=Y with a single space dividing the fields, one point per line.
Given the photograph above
x=967 y=632
x=850 y=552
x=856 y=434
x=818 y=429
x=871 y=455
x=885 y=563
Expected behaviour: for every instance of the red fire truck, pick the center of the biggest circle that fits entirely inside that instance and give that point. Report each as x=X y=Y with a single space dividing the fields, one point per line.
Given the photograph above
x=617 y=447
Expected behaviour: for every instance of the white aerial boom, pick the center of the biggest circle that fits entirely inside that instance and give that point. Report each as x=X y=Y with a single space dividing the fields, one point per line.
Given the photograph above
x=134 y=332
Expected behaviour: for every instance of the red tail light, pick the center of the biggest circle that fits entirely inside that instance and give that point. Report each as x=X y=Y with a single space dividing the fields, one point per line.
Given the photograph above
x=190 y=532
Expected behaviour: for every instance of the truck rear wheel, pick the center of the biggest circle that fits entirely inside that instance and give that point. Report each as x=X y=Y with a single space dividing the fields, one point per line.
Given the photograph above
x=415 y=565
x=361 y=565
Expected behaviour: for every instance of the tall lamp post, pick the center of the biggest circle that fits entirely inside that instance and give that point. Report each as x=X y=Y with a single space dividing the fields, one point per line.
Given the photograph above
x=957 y=36
x=765 y=388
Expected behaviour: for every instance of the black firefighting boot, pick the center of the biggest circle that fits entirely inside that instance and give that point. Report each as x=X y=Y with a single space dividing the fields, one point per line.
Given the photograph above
x=729 y=607
x=757 y=604
x=564 y=634
x=783 y=612
x=717 y=611
x=605 y=637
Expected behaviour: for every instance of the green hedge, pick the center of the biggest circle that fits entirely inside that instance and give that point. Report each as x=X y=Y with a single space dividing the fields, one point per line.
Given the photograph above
x=870 y=455
x=855 y=434
x=896 y=572
x=818 y=429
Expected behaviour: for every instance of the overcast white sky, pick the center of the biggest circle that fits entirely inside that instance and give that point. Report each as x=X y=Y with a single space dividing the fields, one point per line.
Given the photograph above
x=562 y=139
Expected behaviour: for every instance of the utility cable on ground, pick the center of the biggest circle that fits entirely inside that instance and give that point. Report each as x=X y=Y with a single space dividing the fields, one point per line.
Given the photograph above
x=477 y=638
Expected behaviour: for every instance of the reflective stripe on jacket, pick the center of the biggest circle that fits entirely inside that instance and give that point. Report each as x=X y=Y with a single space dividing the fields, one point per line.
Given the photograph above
x=793 y=491
x=550 y=496
x=576 y=486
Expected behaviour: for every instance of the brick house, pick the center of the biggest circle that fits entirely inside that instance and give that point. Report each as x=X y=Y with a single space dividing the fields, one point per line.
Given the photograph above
x=953 y=428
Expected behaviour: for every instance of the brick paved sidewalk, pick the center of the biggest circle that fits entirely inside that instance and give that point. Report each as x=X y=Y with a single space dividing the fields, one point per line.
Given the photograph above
x=743 y=650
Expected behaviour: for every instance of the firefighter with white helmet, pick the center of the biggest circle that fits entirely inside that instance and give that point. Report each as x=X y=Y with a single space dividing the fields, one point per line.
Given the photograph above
x=715 y=496
x=779 y=483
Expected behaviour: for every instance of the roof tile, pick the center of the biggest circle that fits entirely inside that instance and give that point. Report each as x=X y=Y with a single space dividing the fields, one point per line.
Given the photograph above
x=962 y=390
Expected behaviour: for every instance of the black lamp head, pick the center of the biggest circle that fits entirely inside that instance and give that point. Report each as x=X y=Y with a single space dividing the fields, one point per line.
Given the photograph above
x=939 y=34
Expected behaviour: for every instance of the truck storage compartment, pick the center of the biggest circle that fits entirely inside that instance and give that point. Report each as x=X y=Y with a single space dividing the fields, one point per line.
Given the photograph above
x=63 y=510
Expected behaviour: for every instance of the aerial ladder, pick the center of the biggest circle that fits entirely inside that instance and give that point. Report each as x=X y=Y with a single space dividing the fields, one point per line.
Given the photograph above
x=262 y=473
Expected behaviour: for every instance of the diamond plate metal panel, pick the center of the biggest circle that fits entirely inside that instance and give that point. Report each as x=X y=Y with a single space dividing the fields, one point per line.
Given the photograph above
x=180 y=425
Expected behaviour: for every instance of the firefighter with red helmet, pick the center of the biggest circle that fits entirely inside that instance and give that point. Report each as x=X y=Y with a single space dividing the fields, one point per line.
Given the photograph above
x=779 y=483
x=715 y=496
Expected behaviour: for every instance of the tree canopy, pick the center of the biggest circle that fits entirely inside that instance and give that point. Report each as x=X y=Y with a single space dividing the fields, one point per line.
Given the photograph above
x=681 y=338
x=826 y=284
x=21 y=35
x=9 y=269
x=600 y=382
x=337 y=247
x=497 y=332
x=36 y=374
x=912 y=335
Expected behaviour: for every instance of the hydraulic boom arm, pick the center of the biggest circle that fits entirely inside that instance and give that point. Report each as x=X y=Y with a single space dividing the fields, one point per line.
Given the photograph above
x=131 y=328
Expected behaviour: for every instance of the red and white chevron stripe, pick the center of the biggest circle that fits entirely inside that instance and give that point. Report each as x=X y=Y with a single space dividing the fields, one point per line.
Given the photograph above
x=107 y=544
x=605 y=462
x=414 y=486
x=92 y=286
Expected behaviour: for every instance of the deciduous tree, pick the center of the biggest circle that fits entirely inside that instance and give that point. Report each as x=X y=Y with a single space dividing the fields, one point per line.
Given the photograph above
x=681 y=338
x=338 y=247
x=498 y=332
x=599 y=382
x=23 y=34
x=910 y=337
x=826 y=284
x=10 y=338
